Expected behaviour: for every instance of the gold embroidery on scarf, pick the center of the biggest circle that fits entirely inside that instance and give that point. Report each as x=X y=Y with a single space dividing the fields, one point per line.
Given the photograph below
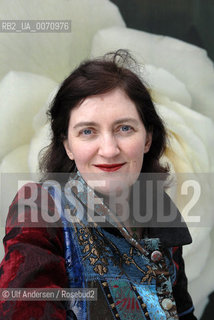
x=94 y=248
x=148 y=275
x=90 y=244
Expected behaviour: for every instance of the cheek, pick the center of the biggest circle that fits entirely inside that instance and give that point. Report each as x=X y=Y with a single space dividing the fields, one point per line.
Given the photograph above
x=82 y=153
x=135 y=150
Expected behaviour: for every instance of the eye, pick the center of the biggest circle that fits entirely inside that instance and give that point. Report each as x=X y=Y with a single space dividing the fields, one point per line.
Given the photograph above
x=126 y=128
x=86 y=132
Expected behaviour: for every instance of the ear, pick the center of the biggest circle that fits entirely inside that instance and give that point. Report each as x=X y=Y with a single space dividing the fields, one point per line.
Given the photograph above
x=148 y=142
x=68 y=149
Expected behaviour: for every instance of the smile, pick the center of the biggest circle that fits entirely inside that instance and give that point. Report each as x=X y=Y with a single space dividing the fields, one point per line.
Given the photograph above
x=110 y=167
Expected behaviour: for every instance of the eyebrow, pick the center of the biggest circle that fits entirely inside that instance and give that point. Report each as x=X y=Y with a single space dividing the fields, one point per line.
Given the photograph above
x=92 y=123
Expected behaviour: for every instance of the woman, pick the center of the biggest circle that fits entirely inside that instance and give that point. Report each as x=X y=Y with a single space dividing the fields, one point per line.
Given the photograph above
x=106 y=131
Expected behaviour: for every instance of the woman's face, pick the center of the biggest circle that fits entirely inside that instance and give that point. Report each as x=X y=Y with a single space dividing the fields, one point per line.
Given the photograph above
x=107 y=140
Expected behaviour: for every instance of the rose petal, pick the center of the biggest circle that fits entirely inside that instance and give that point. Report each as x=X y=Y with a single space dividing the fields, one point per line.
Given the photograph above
x=21 y=96
x=40 y=119
x=200 y=125
x=53 y=54
x=39 y=141
x=16 y=160
x=186 y=62
x=194 y=142
x=165 y=83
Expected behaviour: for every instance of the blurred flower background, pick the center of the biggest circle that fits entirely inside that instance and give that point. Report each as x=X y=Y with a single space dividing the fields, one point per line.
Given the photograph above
x=179 y=75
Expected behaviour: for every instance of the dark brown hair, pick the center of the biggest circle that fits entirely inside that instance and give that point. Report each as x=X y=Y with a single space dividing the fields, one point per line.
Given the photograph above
x=93 y=77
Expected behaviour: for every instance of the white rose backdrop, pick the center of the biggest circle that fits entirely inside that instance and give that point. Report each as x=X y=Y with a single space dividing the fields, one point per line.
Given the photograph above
x=179 y=75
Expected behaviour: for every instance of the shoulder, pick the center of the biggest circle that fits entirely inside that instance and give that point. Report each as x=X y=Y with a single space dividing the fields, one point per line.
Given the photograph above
x=168 y=224
x=33 y=206
x=33 y=222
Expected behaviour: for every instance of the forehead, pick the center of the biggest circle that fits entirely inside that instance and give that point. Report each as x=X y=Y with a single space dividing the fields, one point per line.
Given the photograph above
x=111 y=105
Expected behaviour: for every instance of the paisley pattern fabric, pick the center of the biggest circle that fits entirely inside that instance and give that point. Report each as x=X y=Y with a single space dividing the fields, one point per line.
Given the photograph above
x=61 y=255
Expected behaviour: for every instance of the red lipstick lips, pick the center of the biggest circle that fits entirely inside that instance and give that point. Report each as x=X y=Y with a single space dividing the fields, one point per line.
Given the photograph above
x=110 y=167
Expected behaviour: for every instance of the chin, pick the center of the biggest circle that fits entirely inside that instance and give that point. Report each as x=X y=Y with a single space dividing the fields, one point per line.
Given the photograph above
x=113 y=189
x=111 y=184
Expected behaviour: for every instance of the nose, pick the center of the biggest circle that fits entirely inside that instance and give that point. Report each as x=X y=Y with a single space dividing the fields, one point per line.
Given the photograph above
x=108 y=146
